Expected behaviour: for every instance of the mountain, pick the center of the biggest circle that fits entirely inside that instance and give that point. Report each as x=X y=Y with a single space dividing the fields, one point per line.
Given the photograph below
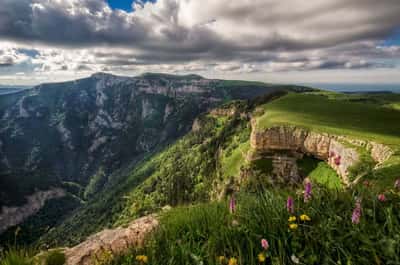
x=272 y=143
x=73 y=138
x=226 y=184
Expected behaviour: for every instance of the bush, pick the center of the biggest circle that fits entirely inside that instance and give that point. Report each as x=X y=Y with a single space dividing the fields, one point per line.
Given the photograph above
x=55 y=257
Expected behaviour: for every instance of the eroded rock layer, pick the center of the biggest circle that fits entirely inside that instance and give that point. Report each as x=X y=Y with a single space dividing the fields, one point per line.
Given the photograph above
x=338 y=152
x=111 y=242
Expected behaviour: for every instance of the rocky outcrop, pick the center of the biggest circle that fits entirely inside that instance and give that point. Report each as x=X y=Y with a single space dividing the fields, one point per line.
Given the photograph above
x=111 y=242
x=11 y=216
x=337 y=151
x=224 y=112
x=380 y=152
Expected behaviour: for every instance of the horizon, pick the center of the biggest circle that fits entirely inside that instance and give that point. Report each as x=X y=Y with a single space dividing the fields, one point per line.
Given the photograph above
x=54 y=41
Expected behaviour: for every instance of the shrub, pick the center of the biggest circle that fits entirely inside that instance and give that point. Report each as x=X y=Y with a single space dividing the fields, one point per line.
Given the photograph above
x=55 y=257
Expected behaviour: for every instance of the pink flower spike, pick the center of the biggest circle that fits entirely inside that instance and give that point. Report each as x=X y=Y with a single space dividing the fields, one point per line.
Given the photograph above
x=307 y=191
x=264 y=244
x=382 y=197
x=356 y=216
x=290 y=205
x=232 y=204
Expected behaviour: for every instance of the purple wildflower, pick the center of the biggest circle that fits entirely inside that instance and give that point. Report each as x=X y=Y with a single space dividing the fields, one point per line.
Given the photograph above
x=232 y=204
x=290 y=205
x=355 y=218
x=397 y=184
x=307 y=191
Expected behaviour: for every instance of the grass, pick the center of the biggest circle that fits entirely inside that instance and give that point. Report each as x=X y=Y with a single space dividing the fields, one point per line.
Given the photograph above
x=231 y=164
x=323 y=113
x=16 y=256
x=200 y=234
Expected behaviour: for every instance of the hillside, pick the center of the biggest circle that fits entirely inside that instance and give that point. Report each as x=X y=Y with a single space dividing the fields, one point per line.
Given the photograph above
x=210 y=162
x=216 y=160
x=85 y=135
x=259 y=151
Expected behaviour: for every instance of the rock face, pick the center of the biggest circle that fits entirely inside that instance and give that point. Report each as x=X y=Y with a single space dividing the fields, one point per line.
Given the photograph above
x=68 y=131
x=286 y=167
x=332 y=149
x=380 y=152
x=10 y=216
x=111 y=241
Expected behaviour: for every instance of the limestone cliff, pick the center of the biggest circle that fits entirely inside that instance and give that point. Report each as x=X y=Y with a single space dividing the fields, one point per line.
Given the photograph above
x=339 y=152
x=10 y=216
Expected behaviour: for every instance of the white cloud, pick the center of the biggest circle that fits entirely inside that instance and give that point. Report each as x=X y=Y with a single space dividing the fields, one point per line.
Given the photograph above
x=75 y=37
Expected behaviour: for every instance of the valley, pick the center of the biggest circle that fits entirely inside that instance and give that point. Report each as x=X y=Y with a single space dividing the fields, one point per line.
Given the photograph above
x=255 y=149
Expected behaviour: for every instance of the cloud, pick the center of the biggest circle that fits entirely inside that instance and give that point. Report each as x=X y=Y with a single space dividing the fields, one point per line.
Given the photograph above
x=190 y=35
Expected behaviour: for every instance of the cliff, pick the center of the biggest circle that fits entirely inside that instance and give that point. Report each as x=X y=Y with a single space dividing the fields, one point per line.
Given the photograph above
x=10 y=216
x=339 y=152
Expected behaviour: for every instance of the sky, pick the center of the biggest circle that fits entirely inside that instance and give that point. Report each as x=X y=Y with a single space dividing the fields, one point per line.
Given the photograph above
x=280 y=41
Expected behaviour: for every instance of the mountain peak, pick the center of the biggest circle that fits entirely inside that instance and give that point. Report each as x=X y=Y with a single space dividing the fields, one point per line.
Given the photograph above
x=171 y=76
x=101 y=75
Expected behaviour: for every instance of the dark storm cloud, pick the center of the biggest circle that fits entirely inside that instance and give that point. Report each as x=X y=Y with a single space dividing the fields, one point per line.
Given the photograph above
x=181 y=31
x=67 y=23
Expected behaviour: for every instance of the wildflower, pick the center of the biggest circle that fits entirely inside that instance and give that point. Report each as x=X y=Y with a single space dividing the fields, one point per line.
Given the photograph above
x=232 y=261
x=305 y=217
x=337 y=160
x=397 y=184
x=232 y=204
x=355 y=218
x=295 y=259
x=290 y=205
x=307 y=191
x=261 y=257
x=382 y=197
x=142 y=259
x=264 y=244
x=221 y=259
x=366 y=183
x=293 y=226
x=332 y=154
x=292 y=219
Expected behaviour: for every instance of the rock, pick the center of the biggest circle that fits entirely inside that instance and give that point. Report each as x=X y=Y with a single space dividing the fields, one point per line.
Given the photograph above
x=11 y=216
x=285 y=166
x=111 y=241
x=320 y=145
x=380 y=152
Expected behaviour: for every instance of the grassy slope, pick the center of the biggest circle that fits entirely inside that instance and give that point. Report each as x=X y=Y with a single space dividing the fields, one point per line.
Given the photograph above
x=334 y=115
x=367 y=117
x=207 y=231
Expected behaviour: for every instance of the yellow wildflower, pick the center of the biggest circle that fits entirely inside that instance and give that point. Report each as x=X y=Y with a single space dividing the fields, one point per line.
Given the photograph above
x=142 y=259
x=232 y=261
x=222 y=259
x=305 y=217
x=261 y=257
x=293 y=226
x=292 y=218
